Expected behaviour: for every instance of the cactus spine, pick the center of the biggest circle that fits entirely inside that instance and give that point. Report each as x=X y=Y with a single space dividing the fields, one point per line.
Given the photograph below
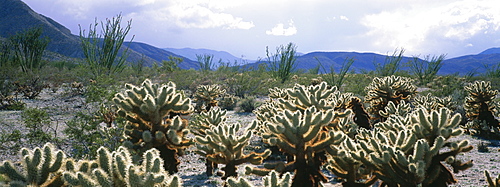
x=153 y=121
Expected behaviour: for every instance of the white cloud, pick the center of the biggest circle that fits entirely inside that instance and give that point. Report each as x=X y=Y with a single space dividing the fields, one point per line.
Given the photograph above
x=416 y=26
x=344 y=18
x=184 y=14
x=202 y=16
x=280 y=30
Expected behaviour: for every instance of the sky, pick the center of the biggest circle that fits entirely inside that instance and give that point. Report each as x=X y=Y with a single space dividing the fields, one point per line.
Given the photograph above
x=245 y=28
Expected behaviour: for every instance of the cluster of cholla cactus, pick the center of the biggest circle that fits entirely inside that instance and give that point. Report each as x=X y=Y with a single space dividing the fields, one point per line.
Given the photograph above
x=47 y=166
x=222 y=144
x=386 y=89
x=153 y=113
x=40 y=167
x=434 y=103
x=117 y=169
x=206 y=96
x=303 y=123
x=405 y=150
x=482 y=110
x=203 y=122
x=270 y=180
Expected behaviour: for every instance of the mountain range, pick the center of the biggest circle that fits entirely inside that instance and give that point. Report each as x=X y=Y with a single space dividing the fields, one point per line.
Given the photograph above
x=16 y=16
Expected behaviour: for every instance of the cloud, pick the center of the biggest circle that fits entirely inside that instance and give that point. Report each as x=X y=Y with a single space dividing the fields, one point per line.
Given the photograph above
x=202 y=16
x=184 y=14
x=417 y=27
x=280 y=30
x=344 y=18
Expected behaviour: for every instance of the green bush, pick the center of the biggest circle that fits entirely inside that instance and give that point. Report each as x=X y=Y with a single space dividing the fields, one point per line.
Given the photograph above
x=38 y=123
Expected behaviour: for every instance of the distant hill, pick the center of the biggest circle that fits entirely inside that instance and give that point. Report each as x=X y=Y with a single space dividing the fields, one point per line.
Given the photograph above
x=222 y=55
x=494 y=50
x=16 y=16
x=365 y=61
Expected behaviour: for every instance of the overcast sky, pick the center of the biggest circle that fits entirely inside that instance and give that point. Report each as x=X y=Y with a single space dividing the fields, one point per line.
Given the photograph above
x=246 y=27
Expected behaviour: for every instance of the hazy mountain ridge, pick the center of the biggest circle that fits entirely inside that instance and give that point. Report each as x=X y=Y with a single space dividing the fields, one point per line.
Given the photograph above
x=224 y=56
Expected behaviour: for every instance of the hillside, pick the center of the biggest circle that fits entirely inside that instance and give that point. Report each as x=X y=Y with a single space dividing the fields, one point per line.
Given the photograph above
x=222 y=55
x=16 y=16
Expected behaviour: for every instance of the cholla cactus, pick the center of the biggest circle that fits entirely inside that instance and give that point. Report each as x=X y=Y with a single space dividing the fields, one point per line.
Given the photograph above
x=481 y=110
x=152 y=118
x=117 y=169
x=492 y=182
x=402 y=109
x=206 y=95
x=348 y=169
x=430 y=102
x=301 y=134
x=222 y=145
x=40 y=167
x=302 y=122
x=270 y=180
x=414 y=154
x=204 y=122
x=383 y=90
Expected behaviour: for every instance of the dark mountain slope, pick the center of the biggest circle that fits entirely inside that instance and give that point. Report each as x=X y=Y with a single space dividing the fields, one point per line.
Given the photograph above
x=16 y=16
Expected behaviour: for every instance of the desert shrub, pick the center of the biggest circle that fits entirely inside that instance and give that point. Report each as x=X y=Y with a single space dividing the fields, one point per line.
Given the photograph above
x=91 y=129
x=425 y=70
x=37 y=122
x=247 y=104
x=101 y=50
x=391 y=64
x=282 y=63
x=334 y=79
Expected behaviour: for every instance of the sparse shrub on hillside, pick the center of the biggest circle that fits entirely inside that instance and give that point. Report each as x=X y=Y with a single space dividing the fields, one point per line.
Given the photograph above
x=102 y=50
x=170 y=65
x=206 y=62
x=282 y=63
x=391 y=64
x=28 y=48
x=337 y=79
x=425 y=70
